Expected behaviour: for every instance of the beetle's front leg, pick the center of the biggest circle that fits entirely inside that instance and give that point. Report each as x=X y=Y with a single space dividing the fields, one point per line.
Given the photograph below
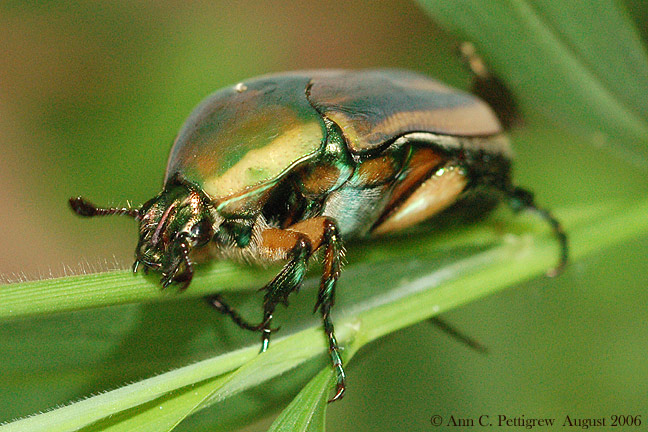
x=322 y=232
x=297 y=248
x=174 y=275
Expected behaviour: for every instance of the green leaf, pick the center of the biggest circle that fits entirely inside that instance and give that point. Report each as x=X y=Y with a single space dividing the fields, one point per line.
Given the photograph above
x=19 y=300
x=410 y=292
x=307 y=412
x=581 y=64
x=133 y=401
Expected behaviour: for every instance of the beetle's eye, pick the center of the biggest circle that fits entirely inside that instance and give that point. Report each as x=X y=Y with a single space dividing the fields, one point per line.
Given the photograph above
x=201 y=232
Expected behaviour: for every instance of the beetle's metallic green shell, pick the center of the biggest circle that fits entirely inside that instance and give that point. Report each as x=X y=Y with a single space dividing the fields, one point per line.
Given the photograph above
x=249 y=135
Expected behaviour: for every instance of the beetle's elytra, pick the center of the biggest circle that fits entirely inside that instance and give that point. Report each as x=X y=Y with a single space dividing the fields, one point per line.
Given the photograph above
x=282 y=166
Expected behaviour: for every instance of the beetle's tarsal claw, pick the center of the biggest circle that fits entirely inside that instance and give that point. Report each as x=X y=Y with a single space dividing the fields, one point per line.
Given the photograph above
x=167 y=279
x=265 y=340
x=340 y=388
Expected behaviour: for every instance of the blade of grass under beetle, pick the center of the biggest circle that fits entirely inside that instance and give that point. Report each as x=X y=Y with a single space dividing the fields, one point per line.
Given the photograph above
x=181 y=391
x=162 y=414
x=410 y=300
x=307 y=411
x=88 y=411
x=581 y=64
x=71 y=293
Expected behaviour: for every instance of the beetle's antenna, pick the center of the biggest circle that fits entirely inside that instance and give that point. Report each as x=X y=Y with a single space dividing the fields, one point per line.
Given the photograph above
x=85 y=208
x=522 y=199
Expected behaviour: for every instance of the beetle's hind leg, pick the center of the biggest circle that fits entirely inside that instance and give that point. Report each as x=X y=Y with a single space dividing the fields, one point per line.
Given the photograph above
x=490 y=88
x=522 y=199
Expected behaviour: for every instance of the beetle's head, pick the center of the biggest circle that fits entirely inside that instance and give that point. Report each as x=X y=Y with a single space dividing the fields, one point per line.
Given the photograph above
x=172 y=224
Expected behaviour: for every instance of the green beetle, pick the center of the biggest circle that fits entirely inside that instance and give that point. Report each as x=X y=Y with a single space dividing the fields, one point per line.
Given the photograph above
x=279 y=167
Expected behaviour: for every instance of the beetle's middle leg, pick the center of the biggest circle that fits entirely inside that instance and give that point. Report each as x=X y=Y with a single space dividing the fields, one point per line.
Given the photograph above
x=299 y=241
x=217 y=302
x=326 y=295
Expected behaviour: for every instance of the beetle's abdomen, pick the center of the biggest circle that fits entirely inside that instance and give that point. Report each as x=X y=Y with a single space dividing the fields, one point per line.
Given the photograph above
x=393 y=191
x=408 y=184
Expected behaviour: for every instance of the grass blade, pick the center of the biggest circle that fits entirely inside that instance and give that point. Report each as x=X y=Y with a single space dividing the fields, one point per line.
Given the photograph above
x=415 y=295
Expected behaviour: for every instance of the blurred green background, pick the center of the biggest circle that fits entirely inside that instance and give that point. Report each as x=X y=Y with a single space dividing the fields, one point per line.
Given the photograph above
x=91 y=95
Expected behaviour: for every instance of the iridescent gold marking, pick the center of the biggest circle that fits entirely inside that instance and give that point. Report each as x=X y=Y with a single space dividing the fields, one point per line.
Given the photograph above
x=468 y=120
x=434 y=195
x=267 y=162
